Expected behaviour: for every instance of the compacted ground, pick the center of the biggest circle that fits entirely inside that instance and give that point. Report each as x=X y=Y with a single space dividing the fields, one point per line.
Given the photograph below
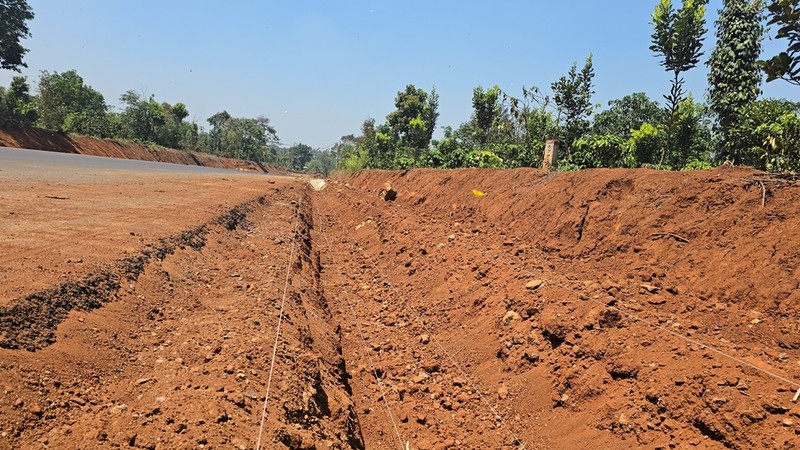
x=475 y=309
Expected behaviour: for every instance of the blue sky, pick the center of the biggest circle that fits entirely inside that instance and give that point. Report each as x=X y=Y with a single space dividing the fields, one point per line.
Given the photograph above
x=317 y=69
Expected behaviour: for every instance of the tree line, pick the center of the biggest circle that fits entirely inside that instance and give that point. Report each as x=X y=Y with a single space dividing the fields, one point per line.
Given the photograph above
x=506 y=129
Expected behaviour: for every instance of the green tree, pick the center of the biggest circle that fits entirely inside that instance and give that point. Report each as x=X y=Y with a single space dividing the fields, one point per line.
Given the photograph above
x=66 y=104
x=487 y=113
x=14 y=15
x=646 y=143
x=785 y=65
x=573 y=96
x=626 y=114
x=678 y=39
x=692 y=136
x=142 y=120
x=242 y=138
x=300 y=155
x=602 y=150
x=16 y=104
x=322 y=162
x=758 y=121
x=414 y=119
x=734 y=76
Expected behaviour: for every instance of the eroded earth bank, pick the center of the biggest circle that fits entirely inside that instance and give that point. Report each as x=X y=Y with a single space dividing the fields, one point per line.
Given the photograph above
x=597 y=309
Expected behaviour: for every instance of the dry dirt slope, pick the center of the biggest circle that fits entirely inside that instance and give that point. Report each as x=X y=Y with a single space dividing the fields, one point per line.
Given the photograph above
x=598 y=309
x=649 y=285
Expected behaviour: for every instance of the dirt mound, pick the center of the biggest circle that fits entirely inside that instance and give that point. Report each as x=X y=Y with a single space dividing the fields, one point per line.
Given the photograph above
x=36 y=139
x=603 y=308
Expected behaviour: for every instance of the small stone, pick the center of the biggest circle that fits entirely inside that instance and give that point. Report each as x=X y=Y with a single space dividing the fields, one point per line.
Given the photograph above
x=142 y=380
x=422 y=419
x=657 y=300
x=511 y=316
x=623 y=421
x=117 y=409
x=650 y=288
x=502 y=392
x=787 y=422
x=534 y=284
x=424 y=339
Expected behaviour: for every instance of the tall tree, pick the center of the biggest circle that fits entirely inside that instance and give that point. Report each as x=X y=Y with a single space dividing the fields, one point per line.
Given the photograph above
x=16 y=104
x=573 y=96
x=785 y=65
x=66 y=103
x=734 y=76
x=678 y=39
x=626 y=114
x=13 y=17
x=414 y=119
x=142 y=119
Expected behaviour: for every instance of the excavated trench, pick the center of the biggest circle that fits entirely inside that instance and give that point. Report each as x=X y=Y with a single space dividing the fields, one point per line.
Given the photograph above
x=607 y=309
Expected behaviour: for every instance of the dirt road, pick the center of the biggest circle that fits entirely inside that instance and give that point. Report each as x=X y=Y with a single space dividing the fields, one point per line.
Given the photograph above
x=599 y=309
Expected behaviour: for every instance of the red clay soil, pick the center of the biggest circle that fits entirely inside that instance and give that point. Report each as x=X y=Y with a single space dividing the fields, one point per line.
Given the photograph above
x=600 y=309
x=35 y=139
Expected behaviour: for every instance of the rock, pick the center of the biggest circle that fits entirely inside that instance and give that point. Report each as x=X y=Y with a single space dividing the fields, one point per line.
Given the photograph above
x=502 y=392
x=117 y=409
x=623 y=421
x=459 y=381
x=534 y=284
x=787 y=422
x=650 y=288
x=511 y=316
x=657 y=300
x=418 y=379
x=424 y=339
x=422 y=418
x=387 y=194
x=142 y=380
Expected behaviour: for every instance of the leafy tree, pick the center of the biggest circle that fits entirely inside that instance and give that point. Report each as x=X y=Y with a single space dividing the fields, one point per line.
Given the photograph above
x=300 y=155
x=646 y=143
x=487 y=114
x=242 y=138
x=678 y=39
x=66 y=104
x=692 y=134
x=785 y=65
x=414 y=119
x=781 y=143
x=13 y=17
x=322 y=162
x=734 y=75
x=16 y=104
x=485 y=159
x=757 y=122
x=142 y=120
x=450 y=152
x=573 y=96
x=627 y=114
x=602 y=150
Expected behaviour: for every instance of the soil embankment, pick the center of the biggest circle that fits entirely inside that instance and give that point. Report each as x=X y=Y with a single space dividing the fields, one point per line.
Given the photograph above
x=35 y=139
x=597 y=309
x=601 y=309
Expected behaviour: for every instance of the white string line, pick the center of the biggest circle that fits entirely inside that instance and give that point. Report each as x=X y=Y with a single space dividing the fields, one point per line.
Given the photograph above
x=685 y=338
x=280 y=321
x=418 y=318
x=364 y=343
